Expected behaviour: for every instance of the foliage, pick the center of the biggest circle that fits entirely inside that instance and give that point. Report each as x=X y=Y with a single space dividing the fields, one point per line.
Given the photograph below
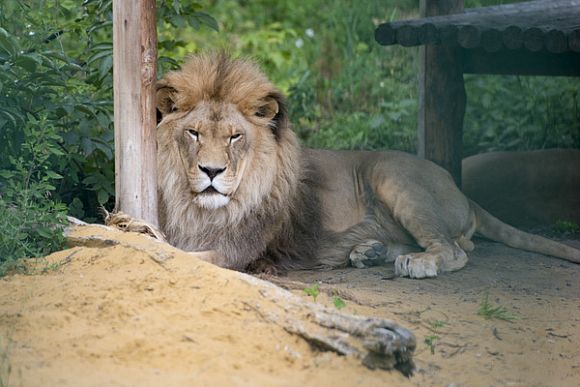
x=31 y=224
x=312 y=291
x=487 y=311
x=565 y=226
x=496 y=121
x=56 y=77
x=339 y=82
x=338 y=302
x=430 y=342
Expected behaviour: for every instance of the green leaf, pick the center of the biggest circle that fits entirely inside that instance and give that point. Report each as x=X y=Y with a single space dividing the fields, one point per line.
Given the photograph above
x=53 y=175
x=100 y=55
x=7 y=43
x=313 y=291
x=338 y=302
x=102 y=196
x=105 y=67
x=43 y=232
x=208 y=20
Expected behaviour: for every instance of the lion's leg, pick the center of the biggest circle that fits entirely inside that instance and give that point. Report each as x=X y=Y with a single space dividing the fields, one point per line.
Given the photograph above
x=368 y=253
x=435 y=259
x=437 y=221
x=442 y=253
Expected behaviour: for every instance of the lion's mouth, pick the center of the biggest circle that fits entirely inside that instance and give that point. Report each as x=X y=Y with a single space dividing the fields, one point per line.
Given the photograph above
x=211 y=199
x=211 y=190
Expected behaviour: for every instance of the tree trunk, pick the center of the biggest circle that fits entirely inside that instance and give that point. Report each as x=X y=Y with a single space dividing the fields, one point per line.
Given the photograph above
x=134 y=67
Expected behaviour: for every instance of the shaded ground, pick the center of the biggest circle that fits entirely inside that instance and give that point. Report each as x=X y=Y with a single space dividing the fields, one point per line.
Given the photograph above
x=112 y=316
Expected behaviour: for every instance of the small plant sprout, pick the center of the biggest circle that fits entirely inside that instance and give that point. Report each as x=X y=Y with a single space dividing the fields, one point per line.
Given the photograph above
x=338 y=302
x=313 y=291
x=430 y=342
x=487 y=311
x=436 y=324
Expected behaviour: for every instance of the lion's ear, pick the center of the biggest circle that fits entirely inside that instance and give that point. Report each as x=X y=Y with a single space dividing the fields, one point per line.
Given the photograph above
x=165 y=99
x=274 y=109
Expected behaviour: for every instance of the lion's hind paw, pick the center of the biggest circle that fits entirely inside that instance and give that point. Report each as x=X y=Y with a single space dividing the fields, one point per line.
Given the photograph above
x=367 y=254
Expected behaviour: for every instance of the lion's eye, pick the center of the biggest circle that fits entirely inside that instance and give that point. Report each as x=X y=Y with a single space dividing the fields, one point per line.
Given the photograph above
x=193 y=133
x=235 y=137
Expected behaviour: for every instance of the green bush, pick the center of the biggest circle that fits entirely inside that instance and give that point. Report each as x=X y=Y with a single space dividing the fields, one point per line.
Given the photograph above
x=56 y=116
x=31 y=221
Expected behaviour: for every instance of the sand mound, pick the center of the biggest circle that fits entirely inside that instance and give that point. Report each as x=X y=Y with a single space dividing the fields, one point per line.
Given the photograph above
x=109 y=314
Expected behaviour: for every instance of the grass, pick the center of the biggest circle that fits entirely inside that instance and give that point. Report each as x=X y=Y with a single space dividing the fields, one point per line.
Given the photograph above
x=312 y=291
x=430 y=342
x=436 y=324
x=566 y=226
x=338 y=302
x=487 y=311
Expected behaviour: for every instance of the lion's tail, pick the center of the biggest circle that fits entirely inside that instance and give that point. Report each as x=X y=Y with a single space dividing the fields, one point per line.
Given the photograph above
x=494 y=229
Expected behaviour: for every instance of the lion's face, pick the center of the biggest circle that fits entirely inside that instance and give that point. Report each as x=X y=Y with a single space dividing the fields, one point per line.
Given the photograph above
x=221 y=138
x=215 y=142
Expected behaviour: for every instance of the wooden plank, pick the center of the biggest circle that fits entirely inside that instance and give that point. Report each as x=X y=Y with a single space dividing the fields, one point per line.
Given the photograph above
x=134 y=63
x=536 y=25
x=441 y=98
x=491 y=40
x=521 y=62
x=558 y=14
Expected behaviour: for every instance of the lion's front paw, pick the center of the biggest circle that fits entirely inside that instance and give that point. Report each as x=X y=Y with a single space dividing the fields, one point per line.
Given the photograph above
x=420 y=265
x=263 y=266
x=369 y=253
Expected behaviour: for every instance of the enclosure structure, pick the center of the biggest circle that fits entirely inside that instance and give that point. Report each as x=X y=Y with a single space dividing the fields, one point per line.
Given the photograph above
x=539 y=37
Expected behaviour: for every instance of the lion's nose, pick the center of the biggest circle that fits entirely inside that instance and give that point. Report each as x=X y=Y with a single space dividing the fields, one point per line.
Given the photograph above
x=211 y=172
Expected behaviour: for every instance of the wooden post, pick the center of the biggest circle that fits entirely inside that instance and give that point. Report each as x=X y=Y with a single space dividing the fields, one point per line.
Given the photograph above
x=134 y=70
x=441 y=97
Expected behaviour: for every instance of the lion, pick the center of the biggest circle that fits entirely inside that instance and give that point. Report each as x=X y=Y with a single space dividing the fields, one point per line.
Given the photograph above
x=233 y=178
x=527 y=189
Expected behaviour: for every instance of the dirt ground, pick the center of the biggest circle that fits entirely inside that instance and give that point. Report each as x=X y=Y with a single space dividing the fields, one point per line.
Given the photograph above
x=109 y=315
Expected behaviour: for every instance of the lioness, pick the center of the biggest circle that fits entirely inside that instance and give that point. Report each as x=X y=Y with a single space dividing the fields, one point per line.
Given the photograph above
x=233 y=179
x=526 y=188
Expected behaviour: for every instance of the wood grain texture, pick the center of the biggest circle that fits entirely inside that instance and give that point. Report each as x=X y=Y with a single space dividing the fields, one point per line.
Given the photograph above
x=134 y=63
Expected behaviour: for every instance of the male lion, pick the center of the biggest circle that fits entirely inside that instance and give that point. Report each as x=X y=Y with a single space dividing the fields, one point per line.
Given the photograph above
x=233 y=179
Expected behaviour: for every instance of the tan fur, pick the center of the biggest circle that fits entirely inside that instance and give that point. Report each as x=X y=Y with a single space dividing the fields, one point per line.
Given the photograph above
x=526 y=188
x=274 y=202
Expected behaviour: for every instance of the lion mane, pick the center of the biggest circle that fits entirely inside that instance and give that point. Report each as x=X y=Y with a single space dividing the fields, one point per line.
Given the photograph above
x=269 y=213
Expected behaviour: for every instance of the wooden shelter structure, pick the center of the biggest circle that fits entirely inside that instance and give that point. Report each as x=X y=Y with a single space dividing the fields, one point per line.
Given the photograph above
x=540 y=37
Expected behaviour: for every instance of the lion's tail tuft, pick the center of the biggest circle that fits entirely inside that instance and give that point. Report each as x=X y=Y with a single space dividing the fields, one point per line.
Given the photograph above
x=494 y=229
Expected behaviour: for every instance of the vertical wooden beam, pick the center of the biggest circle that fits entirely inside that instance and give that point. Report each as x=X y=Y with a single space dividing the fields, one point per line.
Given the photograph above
x=134 y=76
x=441 y=97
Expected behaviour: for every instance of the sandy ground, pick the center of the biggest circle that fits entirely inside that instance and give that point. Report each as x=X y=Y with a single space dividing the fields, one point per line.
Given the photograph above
x=112 y=316
x=540 y=348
